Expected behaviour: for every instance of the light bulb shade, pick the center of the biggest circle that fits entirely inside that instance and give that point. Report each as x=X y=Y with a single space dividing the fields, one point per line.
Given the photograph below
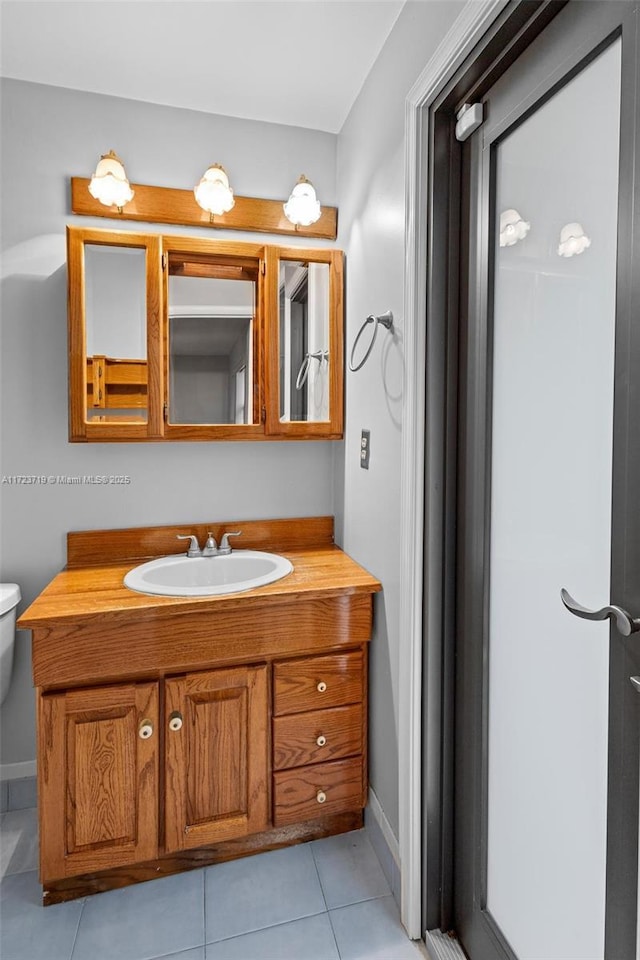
x=213 y=193
x=573 y=240
x=302 y=208
x=512 y=228
x=109 y=184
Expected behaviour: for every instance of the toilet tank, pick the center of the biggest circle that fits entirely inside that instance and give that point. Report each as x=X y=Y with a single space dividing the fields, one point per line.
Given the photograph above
x=9 y=600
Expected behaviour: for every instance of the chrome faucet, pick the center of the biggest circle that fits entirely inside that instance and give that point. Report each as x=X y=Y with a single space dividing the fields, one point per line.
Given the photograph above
x=225 y=546
x=210 y=548
x=194 y=547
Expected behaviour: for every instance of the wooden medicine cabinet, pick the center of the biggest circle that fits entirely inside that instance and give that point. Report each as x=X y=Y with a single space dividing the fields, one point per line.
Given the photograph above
x=180 y=338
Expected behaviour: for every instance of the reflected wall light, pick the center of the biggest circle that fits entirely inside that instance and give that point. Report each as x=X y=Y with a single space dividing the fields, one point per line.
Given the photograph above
x=109 y=184
x=213 y=193
x=302 y=208
x=573 y=240
x=512 y=228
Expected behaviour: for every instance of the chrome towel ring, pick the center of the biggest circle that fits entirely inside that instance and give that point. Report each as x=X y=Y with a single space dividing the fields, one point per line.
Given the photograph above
x=303 y=372
x=386 y=319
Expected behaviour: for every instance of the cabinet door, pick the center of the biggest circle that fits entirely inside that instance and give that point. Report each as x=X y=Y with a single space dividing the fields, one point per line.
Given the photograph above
x=98 y=779
x=213 y=321
x=216 y=756
x=115 y=372
x=304 y=386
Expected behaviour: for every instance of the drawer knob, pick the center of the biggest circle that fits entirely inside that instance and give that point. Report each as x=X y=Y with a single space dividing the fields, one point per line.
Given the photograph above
x=175 y=721
x=321 y=796
x=145 y=730
x=321 y=741
x=321 y=687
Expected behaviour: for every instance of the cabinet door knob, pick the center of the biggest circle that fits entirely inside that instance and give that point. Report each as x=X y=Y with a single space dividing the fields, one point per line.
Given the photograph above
x=175 y=721
x=321 y=687
x=321 y=796
x=321 y=741
x=145 y=730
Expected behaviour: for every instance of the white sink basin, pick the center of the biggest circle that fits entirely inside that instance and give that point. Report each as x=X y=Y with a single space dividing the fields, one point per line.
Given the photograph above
x=180 y=576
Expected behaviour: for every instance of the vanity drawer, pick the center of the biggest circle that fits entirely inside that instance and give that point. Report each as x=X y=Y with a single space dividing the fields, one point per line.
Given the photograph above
x=317 y=736
x=310 y=792
x=317 y=682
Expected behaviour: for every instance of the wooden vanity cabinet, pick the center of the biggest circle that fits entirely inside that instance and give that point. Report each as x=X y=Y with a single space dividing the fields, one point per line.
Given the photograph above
x=174 y=733
x=132 y=773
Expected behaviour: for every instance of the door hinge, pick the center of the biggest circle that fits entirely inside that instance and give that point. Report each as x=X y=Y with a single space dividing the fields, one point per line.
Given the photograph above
x=264 y=415
x=263 y=268
x=165 y=412
x=469 y=117
x=164 y=261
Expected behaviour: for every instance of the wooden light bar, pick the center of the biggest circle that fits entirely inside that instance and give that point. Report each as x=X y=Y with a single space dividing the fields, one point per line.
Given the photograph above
x=168 y=205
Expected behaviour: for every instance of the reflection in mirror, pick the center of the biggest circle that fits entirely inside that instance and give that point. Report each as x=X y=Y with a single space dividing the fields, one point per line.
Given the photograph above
x=211 y=355
x=304 y=341
x=116 y=333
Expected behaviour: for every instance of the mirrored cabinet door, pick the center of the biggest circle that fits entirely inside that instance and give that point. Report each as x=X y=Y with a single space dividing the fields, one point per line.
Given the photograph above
x=114 y=306
x=306 y=343
x=213 y=333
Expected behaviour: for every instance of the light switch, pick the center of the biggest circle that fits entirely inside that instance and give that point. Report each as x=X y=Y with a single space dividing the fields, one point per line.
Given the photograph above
x=365 y=443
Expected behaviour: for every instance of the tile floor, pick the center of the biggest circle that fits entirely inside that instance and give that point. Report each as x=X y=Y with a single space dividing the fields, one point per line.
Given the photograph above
x=326 y=900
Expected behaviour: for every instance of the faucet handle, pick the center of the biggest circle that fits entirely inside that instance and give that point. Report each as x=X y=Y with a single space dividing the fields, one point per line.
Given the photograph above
x=194 y=547
x=225 y=546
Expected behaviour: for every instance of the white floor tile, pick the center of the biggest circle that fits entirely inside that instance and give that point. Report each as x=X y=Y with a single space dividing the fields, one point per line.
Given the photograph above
x=30 y=931
x=308 y=939
x=349 y=869
x=272 y=906
x=372 y=931
x=261 y=891
x=143 y=921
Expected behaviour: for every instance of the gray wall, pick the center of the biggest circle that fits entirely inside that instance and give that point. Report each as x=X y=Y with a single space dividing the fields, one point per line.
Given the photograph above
x=50 y=134
x=371 y=202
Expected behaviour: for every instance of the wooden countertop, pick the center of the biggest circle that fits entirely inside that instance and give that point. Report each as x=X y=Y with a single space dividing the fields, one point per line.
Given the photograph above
x=97 y=591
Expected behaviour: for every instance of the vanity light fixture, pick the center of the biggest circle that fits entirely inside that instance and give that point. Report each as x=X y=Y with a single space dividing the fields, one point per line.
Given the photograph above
x=197 y=207
x=302 y=208
x=573 y=240
x=213 y=193
x=109 y=184
x=512 y=228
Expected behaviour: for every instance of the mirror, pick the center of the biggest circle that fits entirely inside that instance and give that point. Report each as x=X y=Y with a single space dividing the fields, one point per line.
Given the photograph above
x=211 y=315
x=304 y=341
x=116 y=333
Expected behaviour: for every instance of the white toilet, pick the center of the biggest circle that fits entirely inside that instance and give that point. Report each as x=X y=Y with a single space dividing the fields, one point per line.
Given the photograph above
x=9 y=600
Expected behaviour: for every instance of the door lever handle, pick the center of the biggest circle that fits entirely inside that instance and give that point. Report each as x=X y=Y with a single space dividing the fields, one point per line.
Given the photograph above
x=624 y=622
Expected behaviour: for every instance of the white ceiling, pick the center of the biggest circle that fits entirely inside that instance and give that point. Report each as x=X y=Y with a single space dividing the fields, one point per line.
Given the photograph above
x=299 y=62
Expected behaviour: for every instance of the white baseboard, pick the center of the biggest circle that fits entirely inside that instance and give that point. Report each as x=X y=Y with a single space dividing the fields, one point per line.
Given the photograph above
x=378 y=815
x=17 y=771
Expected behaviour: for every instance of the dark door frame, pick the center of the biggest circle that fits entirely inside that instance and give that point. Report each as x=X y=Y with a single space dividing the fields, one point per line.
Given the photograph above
x=514 y=28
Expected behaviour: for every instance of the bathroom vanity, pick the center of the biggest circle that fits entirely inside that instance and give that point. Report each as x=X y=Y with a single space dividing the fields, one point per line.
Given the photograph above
x=175 y=732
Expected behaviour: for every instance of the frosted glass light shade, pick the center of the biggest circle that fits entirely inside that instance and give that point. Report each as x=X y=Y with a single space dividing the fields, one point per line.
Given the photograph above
x=109 y=184
x=302 y=208
x=213 y=193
